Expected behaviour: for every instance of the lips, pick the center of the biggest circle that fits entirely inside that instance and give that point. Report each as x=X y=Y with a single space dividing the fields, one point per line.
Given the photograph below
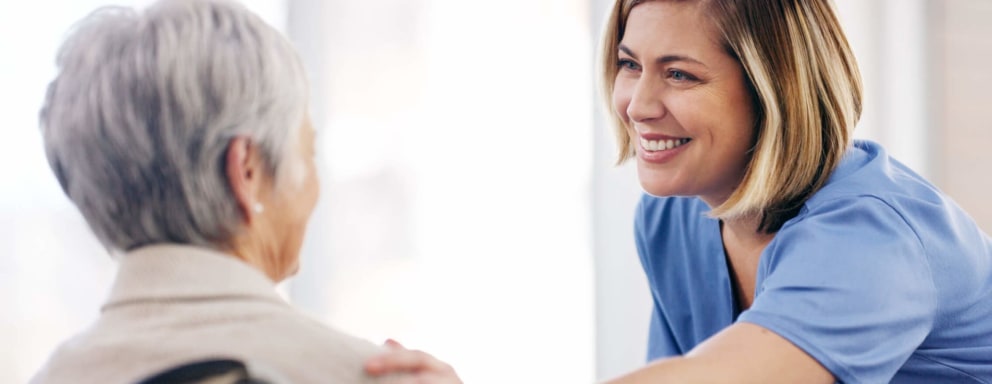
x=663 y=145
x=660 y=149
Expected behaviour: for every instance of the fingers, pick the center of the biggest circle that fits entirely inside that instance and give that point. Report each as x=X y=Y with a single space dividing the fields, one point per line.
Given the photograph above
x=393 y=344
x=425 y=378
x=399 y=359
x=417 y=367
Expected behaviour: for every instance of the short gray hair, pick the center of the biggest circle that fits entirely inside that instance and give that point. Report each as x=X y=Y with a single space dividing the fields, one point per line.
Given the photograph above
x=137 y=123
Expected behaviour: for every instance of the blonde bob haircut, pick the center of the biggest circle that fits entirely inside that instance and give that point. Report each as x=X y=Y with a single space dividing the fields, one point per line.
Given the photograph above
x=807 y=98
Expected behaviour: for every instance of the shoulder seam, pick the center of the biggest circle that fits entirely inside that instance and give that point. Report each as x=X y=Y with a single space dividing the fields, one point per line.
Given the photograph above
x=919 y=240
x=955 y=369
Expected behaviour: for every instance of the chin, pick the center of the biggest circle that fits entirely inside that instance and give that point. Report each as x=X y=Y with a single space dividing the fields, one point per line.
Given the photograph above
x=293 y=270
x=292 y=265
x=656 y=190
x=658 y=185
x=287 y=273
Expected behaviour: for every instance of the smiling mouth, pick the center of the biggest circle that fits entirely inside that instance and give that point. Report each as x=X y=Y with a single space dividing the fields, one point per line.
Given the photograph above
x=663 y=145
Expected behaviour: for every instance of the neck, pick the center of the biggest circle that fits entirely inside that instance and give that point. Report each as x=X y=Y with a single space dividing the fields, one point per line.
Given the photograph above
x=744 y=245
x=744 y=232
x=254 y=254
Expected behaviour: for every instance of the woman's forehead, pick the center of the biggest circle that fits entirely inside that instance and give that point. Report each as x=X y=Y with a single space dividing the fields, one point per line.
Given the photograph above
x=671 y=28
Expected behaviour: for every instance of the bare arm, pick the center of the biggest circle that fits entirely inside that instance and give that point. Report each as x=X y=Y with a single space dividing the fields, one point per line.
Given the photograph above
x=742 y=353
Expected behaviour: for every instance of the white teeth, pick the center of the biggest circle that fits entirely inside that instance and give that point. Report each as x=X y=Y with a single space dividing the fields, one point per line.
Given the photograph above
x=662 y=145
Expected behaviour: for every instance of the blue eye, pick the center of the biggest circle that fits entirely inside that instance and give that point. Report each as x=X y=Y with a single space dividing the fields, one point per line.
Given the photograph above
x=680 y=76
x=628 y=64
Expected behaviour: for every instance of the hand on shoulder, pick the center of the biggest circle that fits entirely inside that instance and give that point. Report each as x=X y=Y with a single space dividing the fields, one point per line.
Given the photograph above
x=420 y=367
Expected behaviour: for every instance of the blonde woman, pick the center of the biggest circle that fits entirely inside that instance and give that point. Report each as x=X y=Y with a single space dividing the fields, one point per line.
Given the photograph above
x=777 y=249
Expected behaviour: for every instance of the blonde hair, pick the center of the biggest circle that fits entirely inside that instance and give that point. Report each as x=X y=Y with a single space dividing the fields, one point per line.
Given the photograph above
x=807 y=98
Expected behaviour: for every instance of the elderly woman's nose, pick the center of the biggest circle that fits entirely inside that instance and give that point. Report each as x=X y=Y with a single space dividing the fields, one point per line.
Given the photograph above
x=645 y=102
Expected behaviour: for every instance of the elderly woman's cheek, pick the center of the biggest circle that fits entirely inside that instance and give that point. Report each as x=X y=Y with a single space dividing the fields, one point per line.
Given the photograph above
x=312 y=189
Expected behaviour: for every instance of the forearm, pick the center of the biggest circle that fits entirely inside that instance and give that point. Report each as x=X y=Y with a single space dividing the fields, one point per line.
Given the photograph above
x=742 y=354
x=675 y=370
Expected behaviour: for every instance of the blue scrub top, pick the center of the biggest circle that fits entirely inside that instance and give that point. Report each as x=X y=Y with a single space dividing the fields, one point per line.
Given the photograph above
x=880 y=277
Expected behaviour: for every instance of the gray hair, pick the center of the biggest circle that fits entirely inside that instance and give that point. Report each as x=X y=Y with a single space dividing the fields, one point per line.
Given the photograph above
x=137 y=123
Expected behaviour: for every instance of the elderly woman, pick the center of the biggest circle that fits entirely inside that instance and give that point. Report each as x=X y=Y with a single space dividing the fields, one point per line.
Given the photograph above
x=777 y=250
x=181 y=134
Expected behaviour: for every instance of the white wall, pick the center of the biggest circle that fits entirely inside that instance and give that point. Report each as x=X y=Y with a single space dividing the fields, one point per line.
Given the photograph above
x=891 y=40
x=456 y=145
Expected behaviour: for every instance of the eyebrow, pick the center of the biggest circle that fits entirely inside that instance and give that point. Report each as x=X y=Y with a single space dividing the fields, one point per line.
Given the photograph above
x=664 y=59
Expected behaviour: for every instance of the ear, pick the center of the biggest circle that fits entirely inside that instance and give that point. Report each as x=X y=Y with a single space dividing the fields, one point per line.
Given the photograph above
x=244 y=175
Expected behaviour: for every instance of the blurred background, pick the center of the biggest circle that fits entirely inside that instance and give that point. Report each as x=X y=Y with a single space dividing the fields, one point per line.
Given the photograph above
x=470 y=206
